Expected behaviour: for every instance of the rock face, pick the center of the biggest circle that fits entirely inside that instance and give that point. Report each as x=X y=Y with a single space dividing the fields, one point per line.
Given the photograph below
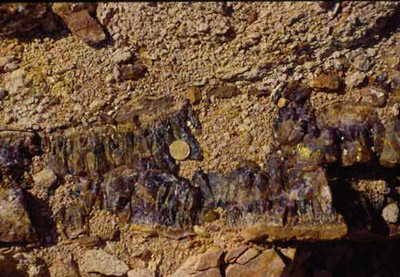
x=99 y=261
x=15 y=225
x=324 y=81
x=85 y=27
x=80 y=20
x=63 y=10
x=239 y=262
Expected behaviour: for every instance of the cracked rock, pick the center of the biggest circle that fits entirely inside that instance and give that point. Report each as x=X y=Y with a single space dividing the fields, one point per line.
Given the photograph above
x=266 y=264
x=206 y=264
x=17 y=81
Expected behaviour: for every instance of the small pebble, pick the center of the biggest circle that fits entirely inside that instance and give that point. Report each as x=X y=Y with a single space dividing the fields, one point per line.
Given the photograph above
x=282 y=102
x=194 y=95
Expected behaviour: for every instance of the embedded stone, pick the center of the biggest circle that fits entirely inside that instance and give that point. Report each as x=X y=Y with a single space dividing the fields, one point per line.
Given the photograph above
x=83 y=26
x=15 y=224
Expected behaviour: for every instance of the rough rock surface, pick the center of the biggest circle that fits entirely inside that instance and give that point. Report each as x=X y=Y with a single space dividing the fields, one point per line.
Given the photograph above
x=99 y=261
x=85 y=27
x=206 y=264
x=267 y=263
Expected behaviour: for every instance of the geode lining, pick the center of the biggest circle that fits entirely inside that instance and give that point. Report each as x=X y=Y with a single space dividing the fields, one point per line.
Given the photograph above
x=126 y=168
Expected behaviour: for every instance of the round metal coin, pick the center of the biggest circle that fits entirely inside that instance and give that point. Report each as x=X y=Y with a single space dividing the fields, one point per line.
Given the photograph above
x=179 y=150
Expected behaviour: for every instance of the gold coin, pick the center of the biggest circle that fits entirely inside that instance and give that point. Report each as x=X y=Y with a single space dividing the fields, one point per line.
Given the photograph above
x=179 y=150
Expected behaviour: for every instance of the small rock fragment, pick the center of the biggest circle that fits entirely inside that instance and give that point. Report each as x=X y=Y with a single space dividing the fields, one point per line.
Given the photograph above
x=282 y=102
x=259 y=92
x=225 y=92
x=326 y=5
x=45 y=178
x=374 y=96
x=7 y=119
x=16 y=82
x=132 y=71
x=355 y=79
x=229 y=75
x=297 y=92
x=122 y=57
x=194 y=95
x=288 y=252
x=253 y=15
x=391 y=213
x=85 y=27
x=179 y=150
x=110 y=78
x=99 y=261
x=4 y=61
x=324 y=81
x=11 y=67
x=247 y=256
x=28 y=263
x=362 y=63
x=116 y=73
x=201 y=231
x=247 y=138
x=210 y=216
x=72 y=222
x=3 y=93
x=96 y=105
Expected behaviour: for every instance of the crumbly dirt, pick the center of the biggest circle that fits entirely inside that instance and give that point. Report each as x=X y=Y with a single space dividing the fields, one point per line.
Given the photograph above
x=261 y=46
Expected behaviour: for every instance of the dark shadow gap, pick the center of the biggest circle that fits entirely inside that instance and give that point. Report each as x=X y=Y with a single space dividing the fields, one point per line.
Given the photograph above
x=363 y=218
